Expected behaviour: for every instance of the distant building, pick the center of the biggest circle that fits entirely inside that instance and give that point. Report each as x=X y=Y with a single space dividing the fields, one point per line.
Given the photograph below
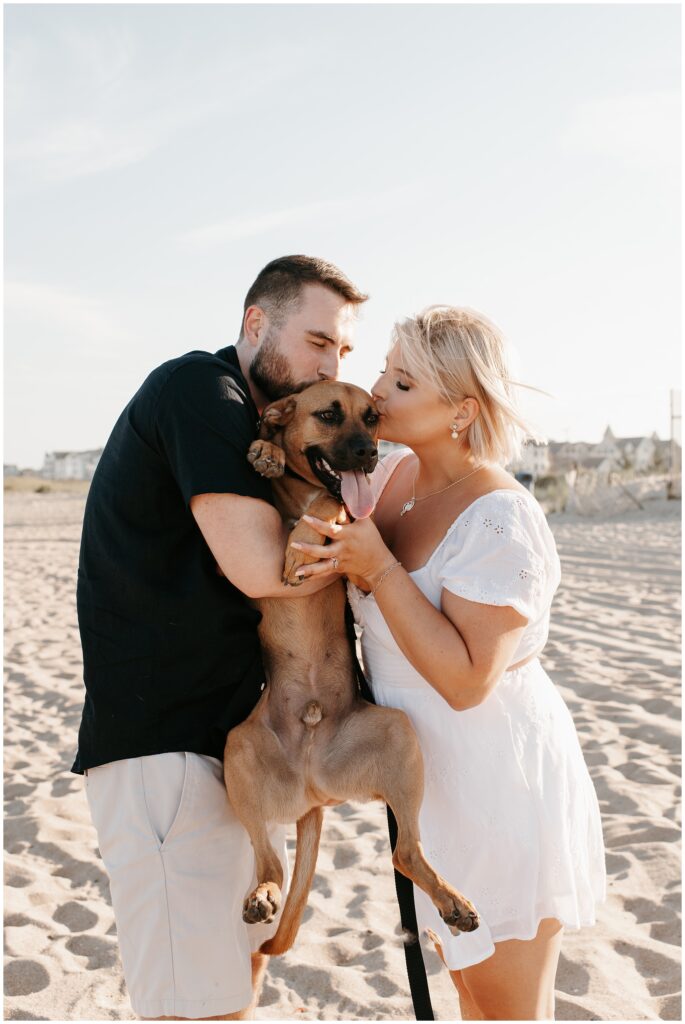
x=565 y=455
x=611 y=454
x=9 y=469
x=70 y=465
x=534 y=460
x=641 y=454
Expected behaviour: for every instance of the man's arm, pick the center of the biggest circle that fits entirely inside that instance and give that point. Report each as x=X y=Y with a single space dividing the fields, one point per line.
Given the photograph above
x=246 y=536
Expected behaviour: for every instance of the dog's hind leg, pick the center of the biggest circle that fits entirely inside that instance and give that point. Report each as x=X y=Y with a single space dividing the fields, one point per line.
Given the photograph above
x=380 y=758
x=263 y=903
x=244 y=770
x=308 y=834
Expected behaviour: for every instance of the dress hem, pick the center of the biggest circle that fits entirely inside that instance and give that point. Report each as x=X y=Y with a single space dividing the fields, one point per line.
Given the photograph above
x=589 y=922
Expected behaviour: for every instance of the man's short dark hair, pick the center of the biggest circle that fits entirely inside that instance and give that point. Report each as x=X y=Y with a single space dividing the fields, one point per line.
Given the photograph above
x=279 y=284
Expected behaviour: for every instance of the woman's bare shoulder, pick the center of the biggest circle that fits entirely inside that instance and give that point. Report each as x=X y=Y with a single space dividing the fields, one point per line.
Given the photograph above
x=495 y=478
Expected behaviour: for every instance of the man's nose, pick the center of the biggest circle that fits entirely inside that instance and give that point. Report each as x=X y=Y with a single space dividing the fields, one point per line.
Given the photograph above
x=329 y=366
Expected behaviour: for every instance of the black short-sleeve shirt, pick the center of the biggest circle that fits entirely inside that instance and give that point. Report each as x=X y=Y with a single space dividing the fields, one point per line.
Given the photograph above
x=170 y=650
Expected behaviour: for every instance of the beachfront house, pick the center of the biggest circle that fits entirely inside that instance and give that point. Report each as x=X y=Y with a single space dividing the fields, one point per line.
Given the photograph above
x=565 y=455
x=70 y=465
x=641 y=454
x=610 y=455
x=535 y=459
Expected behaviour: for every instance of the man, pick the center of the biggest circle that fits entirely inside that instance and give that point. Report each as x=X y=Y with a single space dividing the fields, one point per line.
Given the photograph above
x=170 y=648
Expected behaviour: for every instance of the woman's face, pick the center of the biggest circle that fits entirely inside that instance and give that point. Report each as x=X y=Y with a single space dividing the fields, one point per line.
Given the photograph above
x=412 y=411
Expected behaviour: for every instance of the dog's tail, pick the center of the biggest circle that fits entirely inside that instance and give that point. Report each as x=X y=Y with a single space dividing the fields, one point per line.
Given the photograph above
x=308 y=833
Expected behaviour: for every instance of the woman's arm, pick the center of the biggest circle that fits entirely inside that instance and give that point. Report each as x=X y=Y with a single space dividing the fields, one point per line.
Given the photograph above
x=461 y=649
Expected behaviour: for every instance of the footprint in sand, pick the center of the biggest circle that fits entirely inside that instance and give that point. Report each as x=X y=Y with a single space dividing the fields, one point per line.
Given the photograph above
x=75 y=917
x=63 y=787
x=572 y=978
x=616 y=862
x=566 y=1009
x=670 y=932
x=345 y=856
x=383 y=985
x=100 y=952
x=661 y=973
x=320 y=885
x=17 y=789
x=22 y=977
x=334 y=833
x=371 y=941
x=18 y=878
x=355 y=908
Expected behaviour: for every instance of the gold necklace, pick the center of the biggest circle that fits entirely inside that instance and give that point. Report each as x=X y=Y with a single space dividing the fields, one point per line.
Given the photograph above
x=408 y=505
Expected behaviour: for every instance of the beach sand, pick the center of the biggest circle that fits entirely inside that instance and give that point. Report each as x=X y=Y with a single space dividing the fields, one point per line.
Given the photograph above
x=614 y=653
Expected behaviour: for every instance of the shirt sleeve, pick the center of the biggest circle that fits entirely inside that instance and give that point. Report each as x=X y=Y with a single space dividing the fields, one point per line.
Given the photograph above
x=494 y=555
x=204 y=428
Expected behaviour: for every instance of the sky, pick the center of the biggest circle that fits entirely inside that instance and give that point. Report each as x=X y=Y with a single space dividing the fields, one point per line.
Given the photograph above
x=522 y=160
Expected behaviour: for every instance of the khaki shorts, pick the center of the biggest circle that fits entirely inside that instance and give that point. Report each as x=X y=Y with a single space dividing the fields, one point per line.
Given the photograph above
x=180 y=865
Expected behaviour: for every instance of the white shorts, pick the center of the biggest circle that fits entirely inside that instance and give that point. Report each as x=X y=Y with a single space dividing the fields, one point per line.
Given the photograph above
x=180 y=865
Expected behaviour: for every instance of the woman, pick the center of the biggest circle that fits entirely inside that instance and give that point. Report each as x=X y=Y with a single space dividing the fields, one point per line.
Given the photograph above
x=453 y=582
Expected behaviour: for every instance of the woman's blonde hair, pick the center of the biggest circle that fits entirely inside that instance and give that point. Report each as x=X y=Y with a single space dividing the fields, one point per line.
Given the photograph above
x=462 y=354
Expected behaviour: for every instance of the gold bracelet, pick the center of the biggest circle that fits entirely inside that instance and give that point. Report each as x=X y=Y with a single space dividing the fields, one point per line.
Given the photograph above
x=383 y=575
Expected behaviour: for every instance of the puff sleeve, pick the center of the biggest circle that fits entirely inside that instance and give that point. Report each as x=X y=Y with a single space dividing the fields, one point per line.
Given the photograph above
x=501 y=552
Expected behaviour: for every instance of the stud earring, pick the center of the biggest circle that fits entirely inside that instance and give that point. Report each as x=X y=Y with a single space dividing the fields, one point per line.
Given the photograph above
x=455 y=432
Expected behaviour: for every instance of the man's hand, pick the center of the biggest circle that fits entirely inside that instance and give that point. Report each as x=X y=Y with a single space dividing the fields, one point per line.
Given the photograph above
x=246 y=536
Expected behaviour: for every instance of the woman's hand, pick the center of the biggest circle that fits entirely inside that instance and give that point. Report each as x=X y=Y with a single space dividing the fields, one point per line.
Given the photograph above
x=358 y=548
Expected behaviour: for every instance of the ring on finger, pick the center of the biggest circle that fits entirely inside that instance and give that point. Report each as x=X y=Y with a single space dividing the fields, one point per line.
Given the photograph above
x=335 y=563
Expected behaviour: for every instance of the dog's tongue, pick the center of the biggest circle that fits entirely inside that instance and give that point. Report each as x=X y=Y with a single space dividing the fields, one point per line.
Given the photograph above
x=356 y=493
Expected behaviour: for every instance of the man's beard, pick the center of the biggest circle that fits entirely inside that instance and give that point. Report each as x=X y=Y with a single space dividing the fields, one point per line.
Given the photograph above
x=270 y=371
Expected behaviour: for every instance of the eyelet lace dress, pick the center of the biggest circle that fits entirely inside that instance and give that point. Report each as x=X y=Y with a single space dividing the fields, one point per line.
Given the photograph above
x=509 y=815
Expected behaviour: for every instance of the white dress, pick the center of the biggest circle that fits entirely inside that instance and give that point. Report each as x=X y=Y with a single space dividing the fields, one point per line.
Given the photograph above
x=509 y=815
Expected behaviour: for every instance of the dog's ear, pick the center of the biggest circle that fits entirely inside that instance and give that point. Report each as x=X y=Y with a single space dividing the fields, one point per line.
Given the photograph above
x=276 y=416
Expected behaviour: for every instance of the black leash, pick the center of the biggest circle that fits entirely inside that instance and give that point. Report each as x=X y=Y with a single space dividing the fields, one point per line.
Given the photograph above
x=413 y=954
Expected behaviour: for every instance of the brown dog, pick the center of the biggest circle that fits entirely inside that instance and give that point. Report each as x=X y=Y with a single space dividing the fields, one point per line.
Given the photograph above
x=312 y=741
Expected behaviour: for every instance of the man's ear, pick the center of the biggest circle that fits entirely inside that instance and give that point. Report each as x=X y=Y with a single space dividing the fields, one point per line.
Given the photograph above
x=255 y=323
x=276 y=416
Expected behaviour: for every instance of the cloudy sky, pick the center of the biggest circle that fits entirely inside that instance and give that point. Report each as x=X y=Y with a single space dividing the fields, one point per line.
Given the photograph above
x=522 y=160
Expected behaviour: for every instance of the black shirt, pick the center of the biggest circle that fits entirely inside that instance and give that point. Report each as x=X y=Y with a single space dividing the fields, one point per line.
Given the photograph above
x=170 y=650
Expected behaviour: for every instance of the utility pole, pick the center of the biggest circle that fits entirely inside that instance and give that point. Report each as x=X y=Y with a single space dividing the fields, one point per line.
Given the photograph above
x=676 y=439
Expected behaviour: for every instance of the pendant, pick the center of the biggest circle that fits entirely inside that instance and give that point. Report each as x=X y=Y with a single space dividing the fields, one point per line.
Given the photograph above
x=407 y=507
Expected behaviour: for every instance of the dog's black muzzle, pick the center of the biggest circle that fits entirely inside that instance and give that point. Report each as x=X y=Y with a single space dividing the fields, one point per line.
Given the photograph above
x=358 y=452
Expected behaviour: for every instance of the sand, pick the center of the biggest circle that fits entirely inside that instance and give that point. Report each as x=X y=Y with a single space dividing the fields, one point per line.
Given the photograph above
x=613 y=651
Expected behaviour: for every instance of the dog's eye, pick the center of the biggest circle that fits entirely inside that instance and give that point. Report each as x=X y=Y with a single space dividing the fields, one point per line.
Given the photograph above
x=327 y=415
x=371 y=418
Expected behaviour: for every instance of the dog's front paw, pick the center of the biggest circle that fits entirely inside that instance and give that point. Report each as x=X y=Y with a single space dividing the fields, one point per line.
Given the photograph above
x=293 y=561
x=267 y=458
x=261 y=906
